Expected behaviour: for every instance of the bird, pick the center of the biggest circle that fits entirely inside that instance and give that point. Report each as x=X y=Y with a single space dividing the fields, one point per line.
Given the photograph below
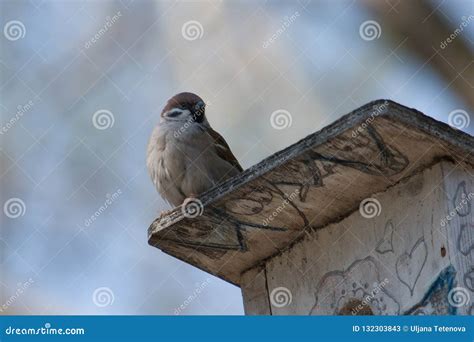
x=185 y=156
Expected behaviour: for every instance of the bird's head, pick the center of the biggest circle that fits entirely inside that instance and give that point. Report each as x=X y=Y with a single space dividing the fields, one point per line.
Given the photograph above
x=185 y=107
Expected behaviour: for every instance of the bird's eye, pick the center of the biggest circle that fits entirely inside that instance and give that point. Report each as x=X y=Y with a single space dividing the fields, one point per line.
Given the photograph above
x=174 y=113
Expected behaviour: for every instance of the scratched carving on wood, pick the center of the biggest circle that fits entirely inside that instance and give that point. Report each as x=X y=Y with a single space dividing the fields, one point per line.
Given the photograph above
x=465 y=242
x=435 y=301
x=469 y=279
x=368 y=153
x=463 y=231
x=361 y=282
x=258 y=202
x=461 y=200
x=385 y=245
x=203 y=236
x=410 y=264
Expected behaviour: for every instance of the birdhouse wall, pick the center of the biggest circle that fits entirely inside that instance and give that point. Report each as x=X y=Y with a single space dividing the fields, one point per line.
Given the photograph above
x=415 y=255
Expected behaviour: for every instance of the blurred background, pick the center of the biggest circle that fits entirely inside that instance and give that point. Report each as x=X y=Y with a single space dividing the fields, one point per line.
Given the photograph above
x=83 y=84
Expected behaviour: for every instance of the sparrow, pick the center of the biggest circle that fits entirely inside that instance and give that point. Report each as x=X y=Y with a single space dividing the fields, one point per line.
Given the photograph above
x=185 y=156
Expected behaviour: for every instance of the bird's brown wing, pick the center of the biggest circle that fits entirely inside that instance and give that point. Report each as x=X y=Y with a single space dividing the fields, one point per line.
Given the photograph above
x=223 y=149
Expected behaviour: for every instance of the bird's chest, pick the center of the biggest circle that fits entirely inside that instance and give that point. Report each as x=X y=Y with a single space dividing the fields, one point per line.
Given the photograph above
x=188 y=146
x=183 y=151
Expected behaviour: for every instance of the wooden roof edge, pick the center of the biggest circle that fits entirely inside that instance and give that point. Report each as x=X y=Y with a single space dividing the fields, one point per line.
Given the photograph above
x=391 y=109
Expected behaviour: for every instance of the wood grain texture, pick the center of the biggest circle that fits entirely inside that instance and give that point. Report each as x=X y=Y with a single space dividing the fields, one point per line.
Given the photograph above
x=314 y=183
x=392 y=263
x=458 y=225
x=345 y=263
x=255 y=292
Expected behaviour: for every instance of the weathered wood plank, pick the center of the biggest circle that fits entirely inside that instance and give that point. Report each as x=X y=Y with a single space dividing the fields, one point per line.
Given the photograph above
x=316 y=182
x=458 y=225
x=396 y=254
x=255 y=292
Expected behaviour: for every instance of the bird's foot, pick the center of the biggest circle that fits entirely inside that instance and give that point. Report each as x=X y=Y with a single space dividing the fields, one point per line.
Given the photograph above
x=165 y=212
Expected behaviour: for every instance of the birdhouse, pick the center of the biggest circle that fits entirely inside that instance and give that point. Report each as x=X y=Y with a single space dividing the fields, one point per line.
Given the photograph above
x=370 y=215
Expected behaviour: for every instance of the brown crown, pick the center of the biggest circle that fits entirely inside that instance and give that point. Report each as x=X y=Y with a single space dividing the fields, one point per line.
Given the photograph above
x=182 y=100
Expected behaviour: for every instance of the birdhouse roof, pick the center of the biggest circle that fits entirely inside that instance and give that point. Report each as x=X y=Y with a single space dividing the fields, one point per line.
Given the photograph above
x=315 y=182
